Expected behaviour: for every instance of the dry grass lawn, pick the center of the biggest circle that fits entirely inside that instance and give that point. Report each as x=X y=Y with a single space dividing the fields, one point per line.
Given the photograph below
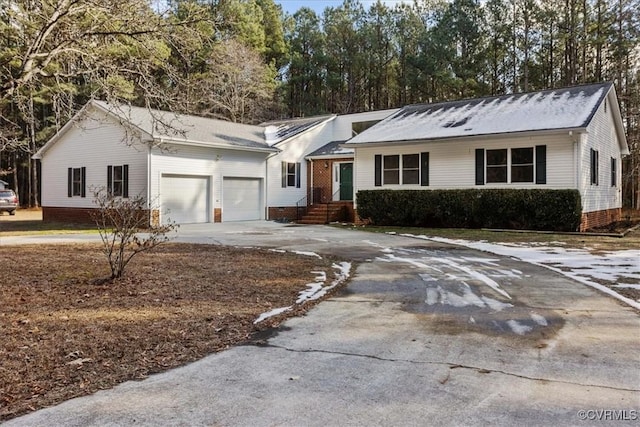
x=65 y=336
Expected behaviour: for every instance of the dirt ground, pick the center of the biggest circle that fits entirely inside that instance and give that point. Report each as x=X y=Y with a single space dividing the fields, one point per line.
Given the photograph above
x=64 y=336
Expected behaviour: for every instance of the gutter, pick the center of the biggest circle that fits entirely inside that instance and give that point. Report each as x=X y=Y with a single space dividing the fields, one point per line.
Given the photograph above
x=218 y=145
x=502 y=135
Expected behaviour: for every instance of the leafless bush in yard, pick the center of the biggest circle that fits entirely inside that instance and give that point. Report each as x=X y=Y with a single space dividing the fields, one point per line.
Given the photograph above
x=123 y=224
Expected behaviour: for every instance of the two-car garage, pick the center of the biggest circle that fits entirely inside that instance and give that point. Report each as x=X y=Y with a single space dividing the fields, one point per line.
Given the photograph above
x=187 y=199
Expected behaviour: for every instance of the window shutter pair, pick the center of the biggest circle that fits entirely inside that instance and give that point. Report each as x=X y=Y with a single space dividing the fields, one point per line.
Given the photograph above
x=125 y=180
x=424 y=169
x=541 y=165
x=83 y=180
x=284 y=172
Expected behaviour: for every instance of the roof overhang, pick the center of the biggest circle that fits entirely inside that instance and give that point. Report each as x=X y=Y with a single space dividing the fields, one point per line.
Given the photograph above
x=331 y=156
x=617 y=118
x=175 y=141
x=485 y=137
x=76 y=119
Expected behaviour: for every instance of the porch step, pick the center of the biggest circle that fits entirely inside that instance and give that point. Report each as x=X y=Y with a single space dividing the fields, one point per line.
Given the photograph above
x=324 y=213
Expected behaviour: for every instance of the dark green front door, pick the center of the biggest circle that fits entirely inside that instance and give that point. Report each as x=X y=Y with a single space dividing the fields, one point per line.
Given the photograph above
x=346 y=181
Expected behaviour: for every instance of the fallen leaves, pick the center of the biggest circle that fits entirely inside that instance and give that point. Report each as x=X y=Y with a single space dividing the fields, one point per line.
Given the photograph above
x=66 y=334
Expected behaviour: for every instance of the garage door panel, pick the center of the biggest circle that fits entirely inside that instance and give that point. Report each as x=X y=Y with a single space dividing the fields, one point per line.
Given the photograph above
x=184 y=199
x=242 y=199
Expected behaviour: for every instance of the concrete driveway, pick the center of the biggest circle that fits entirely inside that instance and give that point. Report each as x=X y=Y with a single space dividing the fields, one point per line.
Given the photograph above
x=424 y=334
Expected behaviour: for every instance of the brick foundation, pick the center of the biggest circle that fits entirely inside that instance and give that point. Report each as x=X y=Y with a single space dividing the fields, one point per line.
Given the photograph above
x=67 y=215
x=285 y=213
x=600 y=218
x=217 y=215
x=80 y=215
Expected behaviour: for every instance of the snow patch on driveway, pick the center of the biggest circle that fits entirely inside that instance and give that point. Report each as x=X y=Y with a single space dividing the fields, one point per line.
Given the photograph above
x=315 y=290
x=577 y=264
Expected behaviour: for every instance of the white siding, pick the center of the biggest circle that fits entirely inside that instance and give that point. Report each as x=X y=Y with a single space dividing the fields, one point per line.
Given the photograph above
x=200 y=161
x=601 y=136
x=93 y=144
x=294 y=151
x=342 y=125
x=452 y=163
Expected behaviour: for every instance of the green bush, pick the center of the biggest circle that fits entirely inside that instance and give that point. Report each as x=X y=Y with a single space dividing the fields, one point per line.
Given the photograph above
x=520 y=209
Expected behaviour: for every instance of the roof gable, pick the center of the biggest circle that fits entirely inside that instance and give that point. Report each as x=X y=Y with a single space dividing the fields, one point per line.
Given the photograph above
x=278 y=131
x=163 y=126
x=568 y=108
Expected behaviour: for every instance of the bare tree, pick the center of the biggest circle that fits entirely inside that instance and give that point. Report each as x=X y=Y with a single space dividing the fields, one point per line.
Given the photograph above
x=123 y=224
x=237 y=86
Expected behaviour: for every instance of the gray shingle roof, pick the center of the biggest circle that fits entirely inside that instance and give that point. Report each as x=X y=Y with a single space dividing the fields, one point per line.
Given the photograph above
x=280 y=130
x=568 y=108
x=332 y=149
x=192 y=129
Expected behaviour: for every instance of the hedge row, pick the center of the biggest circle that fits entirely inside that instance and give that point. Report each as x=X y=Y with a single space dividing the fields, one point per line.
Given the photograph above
x=554 y=210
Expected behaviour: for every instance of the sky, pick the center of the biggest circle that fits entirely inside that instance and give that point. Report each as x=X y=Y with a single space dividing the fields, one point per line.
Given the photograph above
x=291 y=6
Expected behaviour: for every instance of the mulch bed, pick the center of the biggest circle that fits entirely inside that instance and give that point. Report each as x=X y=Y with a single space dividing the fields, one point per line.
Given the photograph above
x=65 y=336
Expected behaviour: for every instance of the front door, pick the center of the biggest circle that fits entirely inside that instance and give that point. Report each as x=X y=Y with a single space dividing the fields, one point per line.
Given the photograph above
x=346 y=181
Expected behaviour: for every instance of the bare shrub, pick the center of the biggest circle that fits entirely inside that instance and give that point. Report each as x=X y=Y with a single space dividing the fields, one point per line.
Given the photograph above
x=123 y=224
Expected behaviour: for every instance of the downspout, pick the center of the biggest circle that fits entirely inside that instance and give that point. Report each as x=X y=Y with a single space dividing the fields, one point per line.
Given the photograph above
x=266 y=184
x=149 y=204
x=310 y=189
x=576 y=157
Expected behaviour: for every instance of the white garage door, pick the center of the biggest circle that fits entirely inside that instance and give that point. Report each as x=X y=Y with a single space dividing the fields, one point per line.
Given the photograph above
x=242 y=199
x=184 y=199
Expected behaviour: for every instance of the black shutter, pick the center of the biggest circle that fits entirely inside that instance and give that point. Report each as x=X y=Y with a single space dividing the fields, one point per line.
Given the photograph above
x=125 y=181
x=614 y=173
x=424 y=169
x=109 y=179
x=378 y=170
x=69 y=182
x=83 y=182
x=479 y=166
x=298 y=173
x=541 y=164
x=284 y=174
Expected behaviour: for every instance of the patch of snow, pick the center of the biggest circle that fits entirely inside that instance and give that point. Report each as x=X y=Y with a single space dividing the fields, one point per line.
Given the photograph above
x=577 y=264
x=271 y=313
x=311 y=293
x=280 y=251
x=540 y=320
x=432 y=296
x=427 y=278
x=627 y=286
x=318 y=290
x=305 y=253
x=496 y=305
x=518 y=327
x=476 y=275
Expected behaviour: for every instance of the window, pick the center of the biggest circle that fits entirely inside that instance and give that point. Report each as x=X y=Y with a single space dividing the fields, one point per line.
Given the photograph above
x=290 y=175
x=118 y=180
x=594 y=167
x=522 y=164
x=497 y=165
x=405 y=169
x=391 y=169
x=411 y=169
x=515 y=165
x=614 y=173
x=76 y=182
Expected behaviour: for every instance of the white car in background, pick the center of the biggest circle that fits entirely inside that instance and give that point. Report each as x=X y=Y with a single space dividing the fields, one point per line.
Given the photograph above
x=8 y=201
